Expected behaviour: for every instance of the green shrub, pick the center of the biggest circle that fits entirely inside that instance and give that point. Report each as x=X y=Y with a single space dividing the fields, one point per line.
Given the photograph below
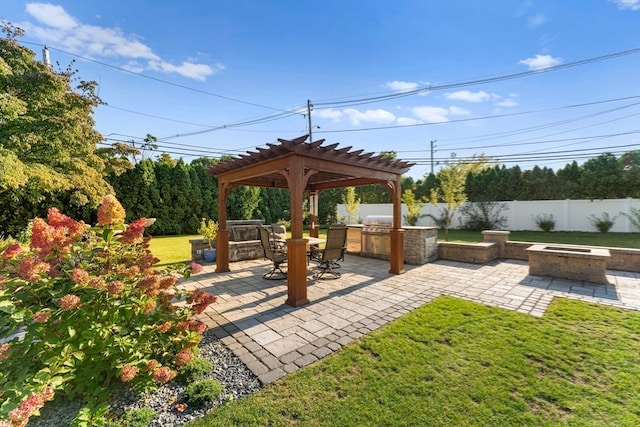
x=202 y=393
x=634 y=217
x=194 y=370
x=83 y=308
x=545 y=222
x=480 y=216
x=604 y=223
x=137 y=417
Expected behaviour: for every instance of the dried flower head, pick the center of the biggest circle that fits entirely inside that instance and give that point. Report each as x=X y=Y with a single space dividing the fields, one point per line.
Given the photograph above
x=69 y=302
x=128 y=373
x=163 y=375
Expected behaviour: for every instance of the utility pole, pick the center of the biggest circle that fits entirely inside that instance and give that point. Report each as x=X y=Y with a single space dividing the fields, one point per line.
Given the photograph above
x=432 y=147
x=309 y=107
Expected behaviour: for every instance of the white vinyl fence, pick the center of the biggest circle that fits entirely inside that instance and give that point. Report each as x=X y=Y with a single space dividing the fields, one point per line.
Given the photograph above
x=570 y=215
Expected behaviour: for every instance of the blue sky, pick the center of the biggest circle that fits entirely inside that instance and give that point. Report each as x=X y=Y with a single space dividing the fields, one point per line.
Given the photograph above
x=214 y=77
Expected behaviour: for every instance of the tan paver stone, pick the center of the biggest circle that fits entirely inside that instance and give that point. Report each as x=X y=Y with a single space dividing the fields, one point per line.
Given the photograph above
x=285 y=345
x=266 y=337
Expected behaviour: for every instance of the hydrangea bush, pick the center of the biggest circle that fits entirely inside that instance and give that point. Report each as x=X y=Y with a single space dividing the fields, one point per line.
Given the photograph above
x=83 y=308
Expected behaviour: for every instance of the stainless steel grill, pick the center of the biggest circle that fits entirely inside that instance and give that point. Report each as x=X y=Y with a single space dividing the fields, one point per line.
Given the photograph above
x=376 y=240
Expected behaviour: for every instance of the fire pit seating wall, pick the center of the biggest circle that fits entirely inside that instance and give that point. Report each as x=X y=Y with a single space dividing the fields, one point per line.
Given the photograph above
x=244 y=242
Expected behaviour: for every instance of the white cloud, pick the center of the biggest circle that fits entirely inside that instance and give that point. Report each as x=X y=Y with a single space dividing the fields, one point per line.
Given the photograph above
x=537 y=20
x=407 y=121
x=186 y=69
x=401 y=86
x=329 y=113
x=356 y=117
x=627 y=4
x=457 y=111
x=51 y=15
x=465 y=95
x=509 y=102
x=541 y=61
x=133 y=66
x=431 y=114
x=56 y=27
x=373 y=116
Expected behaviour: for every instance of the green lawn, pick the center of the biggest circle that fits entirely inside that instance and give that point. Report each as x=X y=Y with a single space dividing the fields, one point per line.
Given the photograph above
x=457 y=363
x=172 y=249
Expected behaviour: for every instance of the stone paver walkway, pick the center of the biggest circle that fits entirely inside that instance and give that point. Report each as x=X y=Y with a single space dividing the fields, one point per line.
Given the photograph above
x=273 y=339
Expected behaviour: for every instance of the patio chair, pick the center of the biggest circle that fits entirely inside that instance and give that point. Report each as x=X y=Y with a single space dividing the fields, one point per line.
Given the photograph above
x=333 y=252
x=277 y=256
x=279 y=236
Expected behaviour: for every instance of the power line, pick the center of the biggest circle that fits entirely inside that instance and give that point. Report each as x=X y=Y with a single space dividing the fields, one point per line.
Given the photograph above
x=430 y=88
x=157 y=79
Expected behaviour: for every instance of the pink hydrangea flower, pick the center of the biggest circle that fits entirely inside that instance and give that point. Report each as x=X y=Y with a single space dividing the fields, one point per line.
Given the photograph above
x=152 y=365
x=41 y=316
x=133 y=233
x=69 y=302
x=164 y=327
x=167 y=281
x=5 y=351
x=31 y=269
x=115 y=288
x=128 y=373
x=195 y=268
x=11 y=251
x=184 y=357
x=163 y=375
x=20 y=415
x=80 y=276
x=111 y=211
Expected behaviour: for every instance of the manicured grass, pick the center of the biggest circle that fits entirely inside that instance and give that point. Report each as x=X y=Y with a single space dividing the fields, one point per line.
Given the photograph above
x=458 y=363
x=172 y=249
x=621 y=240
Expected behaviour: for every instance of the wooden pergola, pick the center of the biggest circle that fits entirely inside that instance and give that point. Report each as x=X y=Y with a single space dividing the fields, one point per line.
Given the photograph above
x=307 y=168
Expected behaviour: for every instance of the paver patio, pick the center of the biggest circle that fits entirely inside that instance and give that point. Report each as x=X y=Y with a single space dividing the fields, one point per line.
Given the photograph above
x=273 y=339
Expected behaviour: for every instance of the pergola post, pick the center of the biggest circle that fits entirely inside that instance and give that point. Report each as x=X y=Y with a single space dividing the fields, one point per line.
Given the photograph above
x=296 y=246
x=396 y=249
x=313 y=216
x=222 y=241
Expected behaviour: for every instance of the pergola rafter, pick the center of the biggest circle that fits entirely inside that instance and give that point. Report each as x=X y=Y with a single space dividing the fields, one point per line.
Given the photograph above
x=309 y=168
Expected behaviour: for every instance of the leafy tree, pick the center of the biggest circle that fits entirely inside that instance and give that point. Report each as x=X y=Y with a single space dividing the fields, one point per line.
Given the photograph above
x=242 y=202
x=414 y=207
x=352 y=204
x=569 y=181
x=451 y=189
x=602 y=178
x=423 y=187
x=327 y=205
x=630 y=163
x=47 y=141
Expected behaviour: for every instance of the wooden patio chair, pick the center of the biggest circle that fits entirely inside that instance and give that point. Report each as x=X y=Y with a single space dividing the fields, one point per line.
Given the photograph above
x=333 y=252
x=277 y=256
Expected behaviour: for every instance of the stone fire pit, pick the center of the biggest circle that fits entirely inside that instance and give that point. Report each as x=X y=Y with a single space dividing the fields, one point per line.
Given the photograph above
x=569 y=262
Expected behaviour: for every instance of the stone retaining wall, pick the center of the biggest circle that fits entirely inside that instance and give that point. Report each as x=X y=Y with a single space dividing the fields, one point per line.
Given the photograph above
x=624 y=259
x=244 y=242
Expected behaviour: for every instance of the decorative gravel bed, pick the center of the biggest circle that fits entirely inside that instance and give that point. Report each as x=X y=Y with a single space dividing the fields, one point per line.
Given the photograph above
x=237 y=379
